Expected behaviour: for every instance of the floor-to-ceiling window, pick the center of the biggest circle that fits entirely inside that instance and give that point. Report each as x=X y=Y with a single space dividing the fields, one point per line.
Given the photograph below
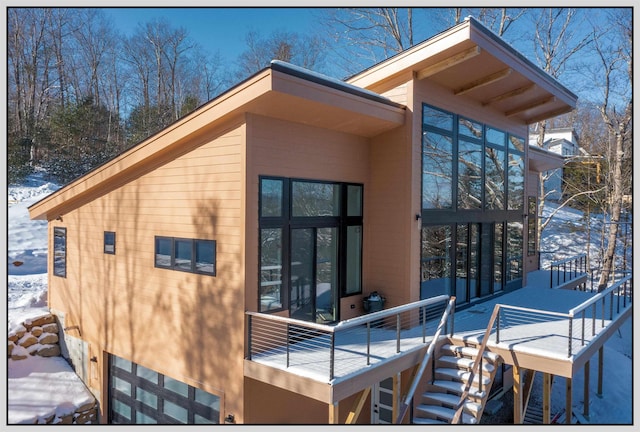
x=310 y=246
x=472 y=207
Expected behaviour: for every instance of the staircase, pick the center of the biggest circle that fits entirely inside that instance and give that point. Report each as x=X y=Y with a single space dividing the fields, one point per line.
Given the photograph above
x=451 y=372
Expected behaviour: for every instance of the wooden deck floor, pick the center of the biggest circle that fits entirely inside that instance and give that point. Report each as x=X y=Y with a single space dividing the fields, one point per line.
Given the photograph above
x=548 y=338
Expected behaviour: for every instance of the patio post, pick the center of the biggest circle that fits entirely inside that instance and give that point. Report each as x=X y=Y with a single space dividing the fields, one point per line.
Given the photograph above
x=546 y=398
x=334 y=412
x=586 y=389
x=600 y=369
x=518 y=417
x=569 y=401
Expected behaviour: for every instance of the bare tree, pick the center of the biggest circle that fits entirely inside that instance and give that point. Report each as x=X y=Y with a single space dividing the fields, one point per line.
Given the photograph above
x=617 y=112
x=301 y=50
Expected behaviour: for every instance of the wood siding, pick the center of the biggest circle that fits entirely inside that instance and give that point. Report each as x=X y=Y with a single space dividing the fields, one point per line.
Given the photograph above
x=125 y=306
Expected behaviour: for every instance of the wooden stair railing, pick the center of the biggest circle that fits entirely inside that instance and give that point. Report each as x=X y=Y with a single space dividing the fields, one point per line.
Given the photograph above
x=420 y=368
x=476 y=364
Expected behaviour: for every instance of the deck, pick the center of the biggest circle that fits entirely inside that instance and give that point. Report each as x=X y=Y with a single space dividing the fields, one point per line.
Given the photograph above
x=550 y=330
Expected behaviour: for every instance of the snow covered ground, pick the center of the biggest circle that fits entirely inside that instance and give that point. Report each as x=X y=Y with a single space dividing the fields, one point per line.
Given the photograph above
x=59 y=388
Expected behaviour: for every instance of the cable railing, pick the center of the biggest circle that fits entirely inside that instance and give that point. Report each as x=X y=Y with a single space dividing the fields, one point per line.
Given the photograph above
x=331 y=351
x=583 y=322
x=568 y=269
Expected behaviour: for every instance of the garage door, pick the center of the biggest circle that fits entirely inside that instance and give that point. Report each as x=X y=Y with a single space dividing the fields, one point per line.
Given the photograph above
x=141 y=396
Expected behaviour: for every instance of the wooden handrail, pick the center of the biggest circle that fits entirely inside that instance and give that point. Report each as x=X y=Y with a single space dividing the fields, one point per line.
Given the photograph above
x=476 y=365
x=420 y=368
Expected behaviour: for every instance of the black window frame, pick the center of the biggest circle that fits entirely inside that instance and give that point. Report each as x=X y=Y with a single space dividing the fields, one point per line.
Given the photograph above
x=286 y=221
x=108 y=243
x=193 y=265
x=59 y=260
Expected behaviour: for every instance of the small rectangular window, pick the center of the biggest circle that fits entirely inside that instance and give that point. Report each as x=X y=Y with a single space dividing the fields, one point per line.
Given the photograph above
x=190 y=255
x=60 y=251
x=109 y=242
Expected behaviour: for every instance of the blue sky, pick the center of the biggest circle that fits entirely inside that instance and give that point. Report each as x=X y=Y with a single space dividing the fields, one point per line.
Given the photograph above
x=219 y=28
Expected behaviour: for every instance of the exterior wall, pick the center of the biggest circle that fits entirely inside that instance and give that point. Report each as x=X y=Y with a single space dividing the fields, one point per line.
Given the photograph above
x=531 y=189
x=285 y=149
x=183 y=325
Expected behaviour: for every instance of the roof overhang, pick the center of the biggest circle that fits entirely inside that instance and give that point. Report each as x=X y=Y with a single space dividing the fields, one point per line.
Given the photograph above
x=541 y=160
x=279 y=91
x=474 y=63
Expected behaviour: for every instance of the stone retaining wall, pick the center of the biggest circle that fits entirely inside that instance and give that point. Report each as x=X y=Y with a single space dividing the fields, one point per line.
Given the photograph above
x=39 y=336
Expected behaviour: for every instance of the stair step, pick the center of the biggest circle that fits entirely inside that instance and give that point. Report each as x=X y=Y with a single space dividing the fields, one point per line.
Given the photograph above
x=461 y=375
x=451 y=401
x=444 y=413
x=425 y=421
x=464 y=362
x=468 y=351
x=457 y=388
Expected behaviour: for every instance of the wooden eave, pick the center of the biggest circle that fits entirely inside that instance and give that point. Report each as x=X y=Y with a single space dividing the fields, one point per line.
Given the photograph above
x=471 y=62
x=541 y=160
x=273 y=92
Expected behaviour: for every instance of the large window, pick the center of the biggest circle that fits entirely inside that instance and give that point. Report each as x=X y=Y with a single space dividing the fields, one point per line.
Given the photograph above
x=60 y=251
x=190 y=255
x=472 y=195
x=310 y=238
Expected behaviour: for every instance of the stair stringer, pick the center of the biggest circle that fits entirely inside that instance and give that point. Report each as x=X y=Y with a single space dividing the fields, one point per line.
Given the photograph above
x=445 y=384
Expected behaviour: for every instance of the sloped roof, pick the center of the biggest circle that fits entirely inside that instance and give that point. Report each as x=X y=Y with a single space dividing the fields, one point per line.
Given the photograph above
x=280 y=91
x=474 y=63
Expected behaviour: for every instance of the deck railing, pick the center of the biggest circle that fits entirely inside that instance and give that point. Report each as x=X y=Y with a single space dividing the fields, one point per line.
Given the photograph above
x=584 y=321
x=568 y=269
x=290 y=341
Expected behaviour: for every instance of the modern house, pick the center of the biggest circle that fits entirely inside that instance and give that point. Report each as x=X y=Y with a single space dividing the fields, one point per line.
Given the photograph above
x=564 y=142
x=219 y=270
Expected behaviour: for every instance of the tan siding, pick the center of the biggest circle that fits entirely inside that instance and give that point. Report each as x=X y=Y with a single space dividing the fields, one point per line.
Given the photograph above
x=126 y=306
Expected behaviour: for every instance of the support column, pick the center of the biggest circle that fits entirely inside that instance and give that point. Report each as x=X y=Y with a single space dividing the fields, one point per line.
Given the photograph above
x=518 y=401
x=569 y=401
x=600 y=369
x=395 y=407
x=546 y=398
x=334 y=413
x=352 y=418
x=586 y=389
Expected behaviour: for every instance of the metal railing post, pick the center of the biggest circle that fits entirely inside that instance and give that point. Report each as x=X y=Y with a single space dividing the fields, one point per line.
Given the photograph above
x=498 y=326
x=288 y=337
x=424 y=324
x=398 y=333
x=332 y=356
x=593 y=320
x=583 y=316
x=368 y=343
x=570 y=333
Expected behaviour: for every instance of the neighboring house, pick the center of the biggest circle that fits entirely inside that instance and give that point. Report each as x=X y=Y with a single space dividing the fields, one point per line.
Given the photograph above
x=564 y=142
x=295 y=195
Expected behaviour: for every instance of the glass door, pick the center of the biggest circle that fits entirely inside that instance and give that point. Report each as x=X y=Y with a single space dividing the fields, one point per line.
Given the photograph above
x=314 y=274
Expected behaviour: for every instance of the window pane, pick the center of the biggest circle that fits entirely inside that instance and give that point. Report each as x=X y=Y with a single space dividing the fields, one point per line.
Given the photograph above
x=462 y=252
x=515 y=197
x=469 y=175
x=434 y=117
x=469 y=128
x=144 y=419
x=205 y=256
x=270 y=269
x=177 y=412
x=122 y=385
x=208 y=399
x=271 y=198
x=60 y=251
x=109 y=242
x=326 y=274
x=495 y=137
x=121 y=408
x=176 y=386
x=198 y=419
x=354 y=260
x=315 y=199
x=302 y=276
x=123 y=364
x=514 y=250
x=436 y=261
x=354 y=200
x=437 y=165
x=497 y=257
x=147 y=374
x=516 y=143
x=494 y=179
x=532 y=226
x=163 y=252
x=146 y=397
x=183 y=254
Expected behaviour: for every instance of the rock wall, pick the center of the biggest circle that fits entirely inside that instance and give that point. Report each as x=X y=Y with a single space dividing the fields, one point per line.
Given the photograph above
x=39 y=336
